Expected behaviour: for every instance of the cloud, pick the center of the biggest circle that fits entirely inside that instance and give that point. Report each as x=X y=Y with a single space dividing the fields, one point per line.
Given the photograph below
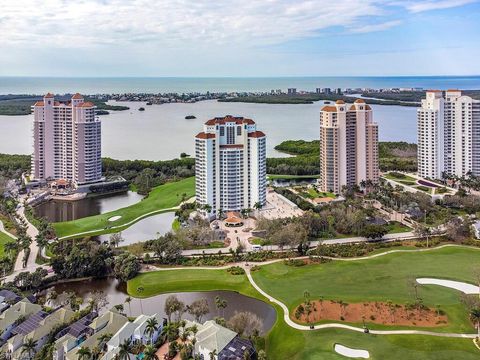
x=421 y=6
x=174 y=23
x=376 y=27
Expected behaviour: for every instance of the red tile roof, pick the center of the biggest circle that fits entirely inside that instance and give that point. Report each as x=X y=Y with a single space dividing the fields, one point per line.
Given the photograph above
x=256 y=134
x=38 y=103
x=49 y=95
x=339 y=102
x=359 y=101
x=86 y=104
x=203 y=135
x=229 y=118
x=77 y=96
x=329 y=108
x=367 y=107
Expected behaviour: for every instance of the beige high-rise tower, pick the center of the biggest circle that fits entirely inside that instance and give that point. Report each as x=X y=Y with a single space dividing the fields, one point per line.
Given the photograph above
x=66 y=141
x=348 y=145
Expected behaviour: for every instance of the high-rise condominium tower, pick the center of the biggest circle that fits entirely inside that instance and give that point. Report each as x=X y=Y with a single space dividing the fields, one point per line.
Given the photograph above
x=66 y=141
x=348 y=145
x=230 y=164
x=448 y=135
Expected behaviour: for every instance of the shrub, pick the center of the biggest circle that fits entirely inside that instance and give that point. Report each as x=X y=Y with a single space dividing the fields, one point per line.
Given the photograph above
x=236 y=270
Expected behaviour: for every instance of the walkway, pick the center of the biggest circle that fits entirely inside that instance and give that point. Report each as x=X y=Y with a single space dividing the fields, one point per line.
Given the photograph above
x=31 y=262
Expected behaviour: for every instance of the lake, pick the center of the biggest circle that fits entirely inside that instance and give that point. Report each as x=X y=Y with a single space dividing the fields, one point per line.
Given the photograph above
x=57 y=211
x=116 y=294
x=161 y=132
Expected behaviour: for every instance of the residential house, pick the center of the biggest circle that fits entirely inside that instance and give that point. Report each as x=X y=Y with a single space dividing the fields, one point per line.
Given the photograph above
x=11 y=317
x=37 y=330
x=108 y=323
x=72 y=336
x=214 y=338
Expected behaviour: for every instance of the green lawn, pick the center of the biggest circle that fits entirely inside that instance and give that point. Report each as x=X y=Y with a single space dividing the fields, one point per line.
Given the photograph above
x=406 y=179
x=379 y=279
x=4 y=238
x=283 y=342
x=162 y=197
x=395 y=227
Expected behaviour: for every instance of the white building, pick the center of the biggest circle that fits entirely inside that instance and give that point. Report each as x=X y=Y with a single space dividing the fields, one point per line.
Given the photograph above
x=348 y=145
x=448 y=135
x=230 y=165
x=66 y=141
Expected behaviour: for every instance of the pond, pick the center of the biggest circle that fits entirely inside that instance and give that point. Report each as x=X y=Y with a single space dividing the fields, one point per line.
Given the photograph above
x=143 y=230
x=57 y=211
x=116 y=294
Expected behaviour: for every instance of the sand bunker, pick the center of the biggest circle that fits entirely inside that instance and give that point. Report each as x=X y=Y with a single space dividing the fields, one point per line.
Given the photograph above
x=351 y=353
x=457 y=285
x=115 y=218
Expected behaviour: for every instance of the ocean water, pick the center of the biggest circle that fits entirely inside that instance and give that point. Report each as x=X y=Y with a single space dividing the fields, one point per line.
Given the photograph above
x=98 y=85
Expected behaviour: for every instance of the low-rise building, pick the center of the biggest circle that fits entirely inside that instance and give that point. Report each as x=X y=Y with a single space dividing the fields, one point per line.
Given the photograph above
x=72 y=336
x=37 y=327
x=213 y=338
x=11 y=317
x=108 y=323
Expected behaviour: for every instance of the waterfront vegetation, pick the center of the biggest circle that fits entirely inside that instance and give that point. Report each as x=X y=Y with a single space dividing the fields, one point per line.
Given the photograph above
x=308 y=98
x=21 y=104
x=160 y=199
x=386 y=278
x=393 y=155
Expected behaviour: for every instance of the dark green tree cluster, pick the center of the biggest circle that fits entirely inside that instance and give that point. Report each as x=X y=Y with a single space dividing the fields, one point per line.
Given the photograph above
x=81 y=259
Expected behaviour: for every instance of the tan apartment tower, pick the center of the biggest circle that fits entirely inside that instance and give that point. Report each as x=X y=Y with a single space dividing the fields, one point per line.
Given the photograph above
x=348 y=145
x=66 y=141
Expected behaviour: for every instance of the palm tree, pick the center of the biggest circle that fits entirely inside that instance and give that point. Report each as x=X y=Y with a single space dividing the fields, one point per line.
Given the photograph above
x=124 y=350
x=84 y=353
x=475 y=317
x=257 y=205
x=220 y=213
x=149 y=353
x=103 y=339
x=128 y=300
x=151 y=328
x=28 y=347
x=213 y=354
x=220 y=304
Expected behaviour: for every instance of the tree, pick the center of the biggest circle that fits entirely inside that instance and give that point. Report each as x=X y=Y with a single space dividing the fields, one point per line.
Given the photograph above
x=116 y=239
x=84 y=353
x=151 y=327
x=149 y=353
x=261 y=355
x=458 y=228
x=220 y=304
x=104 y=339
x=213 y=354
x=245 y=323
x=167 y=248
x=198 y=309
x=124 y=350
x=422 y=231
x=126 y=266
x=373 y=231
x=97 y=300
x=28 y=347
x=172 y=306
x=128 y=300
x=475 y=318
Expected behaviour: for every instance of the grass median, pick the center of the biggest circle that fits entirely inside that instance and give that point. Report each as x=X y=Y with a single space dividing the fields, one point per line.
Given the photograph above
x=160 y=198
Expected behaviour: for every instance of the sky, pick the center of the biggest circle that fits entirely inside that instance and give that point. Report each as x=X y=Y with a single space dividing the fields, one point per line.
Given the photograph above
x=239 y=38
